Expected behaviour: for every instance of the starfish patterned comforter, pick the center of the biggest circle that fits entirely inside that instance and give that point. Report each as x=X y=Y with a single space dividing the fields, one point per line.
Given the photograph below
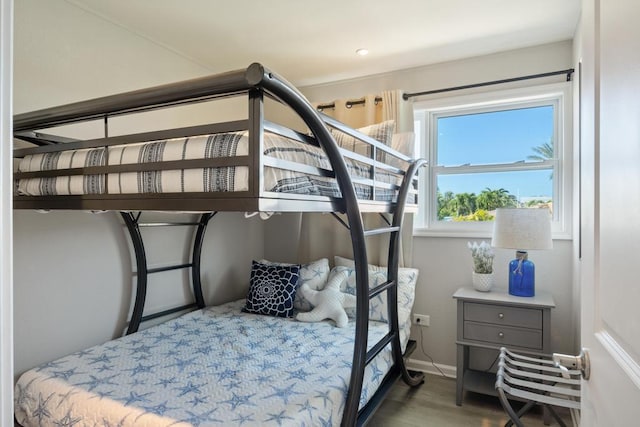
x=215 y=179
x=212 y=367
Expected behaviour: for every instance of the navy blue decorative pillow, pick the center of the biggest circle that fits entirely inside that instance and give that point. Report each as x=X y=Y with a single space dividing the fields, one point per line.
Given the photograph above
x=272 y=289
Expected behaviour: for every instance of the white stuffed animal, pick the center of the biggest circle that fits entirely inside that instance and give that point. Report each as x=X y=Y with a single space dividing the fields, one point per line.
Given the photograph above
x=328 y=303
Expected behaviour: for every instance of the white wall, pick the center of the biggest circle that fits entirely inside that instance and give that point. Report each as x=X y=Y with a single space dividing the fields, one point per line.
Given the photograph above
x=73 y=269
x=6 y=231
x=445 y=263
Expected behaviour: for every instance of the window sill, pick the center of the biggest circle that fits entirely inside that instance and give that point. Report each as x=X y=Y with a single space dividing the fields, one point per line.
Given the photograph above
x=475 y=234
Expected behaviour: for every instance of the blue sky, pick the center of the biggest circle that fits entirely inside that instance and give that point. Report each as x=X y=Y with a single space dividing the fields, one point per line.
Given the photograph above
x=495 y=137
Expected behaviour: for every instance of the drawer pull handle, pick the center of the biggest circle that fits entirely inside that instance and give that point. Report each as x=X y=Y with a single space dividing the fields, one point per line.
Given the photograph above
x=500 y=316
x=501 y=334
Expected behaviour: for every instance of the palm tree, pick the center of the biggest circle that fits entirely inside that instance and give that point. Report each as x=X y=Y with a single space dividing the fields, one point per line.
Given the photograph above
x=543 y=152
x=445 y=205
x=492 y=199
x=465 y=203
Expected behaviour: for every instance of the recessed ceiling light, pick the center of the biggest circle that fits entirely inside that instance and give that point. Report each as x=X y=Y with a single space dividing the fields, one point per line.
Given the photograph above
x=362 y=52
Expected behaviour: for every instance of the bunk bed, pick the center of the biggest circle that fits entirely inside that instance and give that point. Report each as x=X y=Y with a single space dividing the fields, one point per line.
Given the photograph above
x=251 y=165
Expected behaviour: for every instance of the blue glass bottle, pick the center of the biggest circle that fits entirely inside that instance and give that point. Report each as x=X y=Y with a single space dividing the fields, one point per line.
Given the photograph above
x=522 y=276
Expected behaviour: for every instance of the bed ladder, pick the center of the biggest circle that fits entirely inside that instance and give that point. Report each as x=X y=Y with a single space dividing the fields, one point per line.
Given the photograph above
x=264 y=79
x=362 y=358
x=133 y=224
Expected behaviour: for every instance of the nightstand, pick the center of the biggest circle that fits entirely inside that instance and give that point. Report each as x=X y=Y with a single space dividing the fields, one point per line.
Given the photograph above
x=495 y=319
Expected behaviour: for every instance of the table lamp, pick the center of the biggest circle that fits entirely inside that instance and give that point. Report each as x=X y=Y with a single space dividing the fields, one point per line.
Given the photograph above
x=522 y=229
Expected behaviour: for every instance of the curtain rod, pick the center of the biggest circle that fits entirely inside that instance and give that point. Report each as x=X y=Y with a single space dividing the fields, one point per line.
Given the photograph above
x=568 y=72
x=349 y=104
x=406 y=96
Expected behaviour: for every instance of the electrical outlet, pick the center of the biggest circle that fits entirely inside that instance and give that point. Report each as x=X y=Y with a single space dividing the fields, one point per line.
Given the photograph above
x=421 y=319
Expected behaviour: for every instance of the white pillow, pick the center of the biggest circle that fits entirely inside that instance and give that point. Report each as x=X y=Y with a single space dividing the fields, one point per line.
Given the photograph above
x=377 y=305
x=405 y=143
x=347 y=262
x=407 y=278
x=315 y=274
x=382 y=132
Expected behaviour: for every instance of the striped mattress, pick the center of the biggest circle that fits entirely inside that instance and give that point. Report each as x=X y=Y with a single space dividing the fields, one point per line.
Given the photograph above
x=215 y=179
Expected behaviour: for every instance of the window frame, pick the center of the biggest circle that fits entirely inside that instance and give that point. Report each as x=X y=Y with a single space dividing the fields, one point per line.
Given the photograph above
x=426 y=114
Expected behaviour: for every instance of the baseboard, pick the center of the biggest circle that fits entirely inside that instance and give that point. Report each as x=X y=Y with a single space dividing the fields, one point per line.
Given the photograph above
x=429 y=368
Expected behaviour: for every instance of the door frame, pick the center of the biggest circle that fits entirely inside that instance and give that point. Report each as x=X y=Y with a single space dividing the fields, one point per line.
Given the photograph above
x=6 y=211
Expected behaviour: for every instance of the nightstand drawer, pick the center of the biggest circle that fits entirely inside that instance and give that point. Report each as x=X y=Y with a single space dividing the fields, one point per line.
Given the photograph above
x=503 y=335
x=503 y=315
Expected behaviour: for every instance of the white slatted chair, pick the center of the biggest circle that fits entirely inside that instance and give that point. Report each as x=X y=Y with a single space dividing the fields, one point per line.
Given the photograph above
x=537 y=381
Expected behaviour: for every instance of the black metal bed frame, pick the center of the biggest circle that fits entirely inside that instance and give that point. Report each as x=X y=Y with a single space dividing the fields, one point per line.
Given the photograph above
x=132 y=221
x=256 y=81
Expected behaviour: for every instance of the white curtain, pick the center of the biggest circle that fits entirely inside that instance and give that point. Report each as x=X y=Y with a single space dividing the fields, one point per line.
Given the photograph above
x=394 y=107
x=321 y=235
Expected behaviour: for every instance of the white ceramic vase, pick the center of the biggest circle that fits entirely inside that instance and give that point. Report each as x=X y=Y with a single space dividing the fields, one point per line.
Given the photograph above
x=482 y=281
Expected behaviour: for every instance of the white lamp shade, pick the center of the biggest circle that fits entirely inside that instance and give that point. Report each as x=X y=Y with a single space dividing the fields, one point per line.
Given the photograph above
x=520 y=228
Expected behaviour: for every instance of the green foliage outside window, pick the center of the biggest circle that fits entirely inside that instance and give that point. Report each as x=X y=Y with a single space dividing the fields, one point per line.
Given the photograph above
x=472 y=207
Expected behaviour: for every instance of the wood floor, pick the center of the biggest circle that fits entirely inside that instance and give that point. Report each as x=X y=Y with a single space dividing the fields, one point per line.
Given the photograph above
x=433 y=404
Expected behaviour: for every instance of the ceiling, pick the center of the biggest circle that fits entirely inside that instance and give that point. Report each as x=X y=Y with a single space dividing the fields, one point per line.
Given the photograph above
x=312 y=41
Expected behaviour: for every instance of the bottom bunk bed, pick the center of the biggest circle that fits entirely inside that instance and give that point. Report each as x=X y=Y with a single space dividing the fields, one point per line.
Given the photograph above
x=216 y=366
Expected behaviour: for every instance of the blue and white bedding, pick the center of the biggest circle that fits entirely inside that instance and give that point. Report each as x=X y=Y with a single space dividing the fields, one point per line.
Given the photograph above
x=212 y=367
x=219 y=179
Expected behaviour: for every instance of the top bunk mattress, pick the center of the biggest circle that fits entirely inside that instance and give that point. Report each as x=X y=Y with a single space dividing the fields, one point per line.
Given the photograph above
x=216 y=366
x=280 y=179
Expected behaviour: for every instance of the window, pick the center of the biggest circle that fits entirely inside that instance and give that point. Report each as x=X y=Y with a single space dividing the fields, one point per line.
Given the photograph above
x=503 y=149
